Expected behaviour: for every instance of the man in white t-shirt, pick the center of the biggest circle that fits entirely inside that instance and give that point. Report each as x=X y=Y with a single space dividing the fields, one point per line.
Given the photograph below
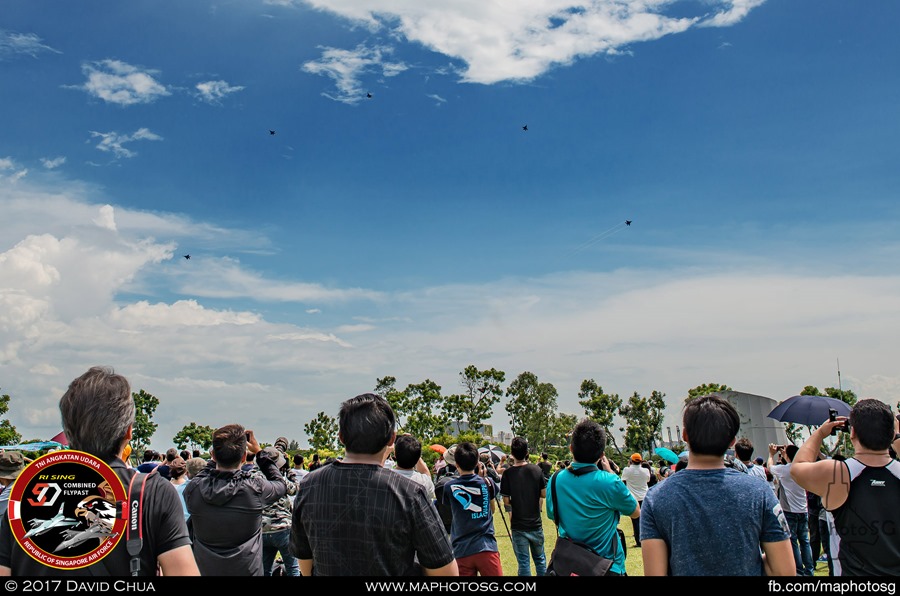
x=408 y=453
x=636 y=478
x=792 y=497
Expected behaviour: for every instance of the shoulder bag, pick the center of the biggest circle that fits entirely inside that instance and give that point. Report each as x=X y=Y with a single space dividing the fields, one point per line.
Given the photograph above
x=571 y=558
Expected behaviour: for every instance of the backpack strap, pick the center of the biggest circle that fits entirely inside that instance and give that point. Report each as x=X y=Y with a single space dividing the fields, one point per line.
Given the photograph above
x=134 y=528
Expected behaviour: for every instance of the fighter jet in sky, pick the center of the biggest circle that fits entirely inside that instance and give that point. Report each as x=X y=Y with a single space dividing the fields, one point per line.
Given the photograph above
x=627 y=222
x=369 y=95
x=525 y=127
x=271 y=132
x=188 y=257
x=41 y=526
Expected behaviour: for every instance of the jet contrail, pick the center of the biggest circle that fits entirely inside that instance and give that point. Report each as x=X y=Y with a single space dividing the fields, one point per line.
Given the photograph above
x=597 y=238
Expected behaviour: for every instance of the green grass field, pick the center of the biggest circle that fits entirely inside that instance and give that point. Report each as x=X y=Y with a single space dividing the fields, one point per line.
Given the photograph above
x=634 y=562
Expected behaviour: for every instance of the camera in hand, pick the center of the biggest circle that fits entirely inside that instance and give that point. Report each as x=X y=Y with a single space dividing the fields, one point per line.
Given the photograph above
x=832 y=416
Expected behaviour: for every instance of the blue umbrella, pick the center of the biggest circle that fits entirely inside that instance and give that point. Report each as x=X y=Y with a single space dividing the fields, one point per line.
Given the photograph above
x=809 y=410
x=667 y=454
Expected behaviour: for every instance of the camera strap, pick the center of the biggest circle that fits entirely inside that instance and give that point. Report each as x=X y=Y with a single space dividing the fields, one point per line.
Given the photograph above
x=134 y=529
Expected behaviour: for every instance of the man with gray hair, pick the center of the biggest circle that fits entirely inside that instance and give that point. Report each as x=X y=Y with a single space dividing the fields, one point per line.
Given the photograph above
x=98 y=418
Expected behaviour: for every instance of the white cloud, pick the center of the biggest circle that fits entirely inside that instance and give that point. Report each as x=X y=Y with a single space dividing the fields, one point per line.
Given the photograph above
x=438 y=99
x=106 y=218
x=29 y=44
x=312 y=311
x=113 y=142
x=51 y=163
x=226 y=278
x=732 y=14
x=346 y=67
x=502 y=42
x=181 y=313
x=213 y=92
x=359 y=328
x=120 y=83
x=7 y=163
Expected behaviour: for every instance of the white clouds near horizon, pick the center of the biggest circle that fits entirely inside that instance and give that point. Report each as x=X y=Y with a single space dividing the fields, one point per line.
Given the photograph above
x=67 y=303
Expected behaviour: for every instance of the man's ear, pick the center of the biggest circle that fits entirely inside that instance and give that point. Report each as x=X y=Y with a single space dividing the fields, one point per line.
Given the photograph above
x=212 y=454
x=392 y=440
x=733 y=441
x=684 y=436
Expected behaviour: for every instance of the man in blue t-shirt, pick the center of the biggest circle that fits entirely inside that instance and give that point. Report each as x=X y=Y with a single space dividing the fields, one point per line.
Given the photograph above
x=471 y=499
x=708 y=519
x=589 y=504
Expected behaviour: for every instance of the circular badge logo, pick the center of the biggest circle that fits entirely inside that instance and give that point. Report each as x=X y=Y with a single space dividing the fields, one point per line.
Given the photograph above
x=65 y=509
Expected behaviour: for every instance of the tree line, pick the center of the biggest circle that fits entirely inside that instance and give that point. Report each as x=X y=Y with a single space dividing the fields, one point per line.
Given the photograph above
x=424 y=411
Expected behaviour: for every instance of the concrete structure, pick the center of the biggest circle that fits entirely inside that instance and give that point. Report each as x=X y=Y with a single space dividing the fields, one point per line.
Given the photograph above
x=755 y=423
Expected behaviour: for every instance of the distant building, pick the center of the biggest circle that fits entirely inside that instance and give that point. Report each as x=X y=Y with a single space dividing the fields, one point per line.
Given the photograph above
x=755 y=423
x=486 y=430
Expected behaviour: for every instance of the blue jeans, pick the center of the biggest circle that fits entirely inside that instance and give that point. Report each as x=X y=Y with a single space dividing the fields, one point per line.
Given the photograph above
x=800 y=542
x=279 y=542
x=528 y=544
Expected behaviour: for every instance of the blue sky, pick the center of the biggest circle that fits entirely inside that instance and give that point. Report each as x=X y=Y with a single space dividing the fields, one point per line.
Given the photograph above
x=752 y=143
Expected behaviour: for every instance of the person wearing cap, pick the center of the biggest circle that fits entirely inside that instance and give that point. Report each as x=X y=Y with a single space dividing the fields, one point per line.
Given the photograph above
x=637 y=478
x=11 y=465
x=226 y=504
x=276 y=518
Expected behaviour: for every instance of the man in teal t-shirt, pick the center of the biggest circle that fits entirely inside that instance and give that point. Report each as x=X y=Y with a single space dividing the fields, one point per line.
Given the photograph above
x=590 y=503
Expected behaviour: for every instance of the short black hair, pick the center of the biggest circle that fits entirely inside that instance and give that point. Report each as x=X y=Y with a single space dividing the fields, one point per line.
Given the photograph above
x=874 y=424
x=519 y=448
x=229 y=444
x=743 y=449
x=711 y=424
x=466 y=456
x=366 y=423
x=588 y=441
x=407 y=450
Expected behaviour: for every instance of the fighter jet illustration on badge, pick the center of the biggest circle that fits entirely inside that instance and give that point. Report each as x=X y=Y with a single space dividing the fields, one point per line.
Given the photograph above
x=40 y=526
x=73 y=538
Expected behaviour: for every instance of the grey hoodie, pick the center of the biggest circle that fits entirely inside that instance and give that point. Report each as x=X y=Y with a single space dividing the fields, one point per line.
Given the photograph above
x=226 y=514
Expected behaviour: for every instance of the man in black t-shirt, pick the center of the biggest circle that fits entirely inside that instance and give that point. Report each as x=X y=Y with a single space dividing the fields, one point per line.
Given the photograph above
x=98 y=417
x=545 y=466
x=523 y=487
